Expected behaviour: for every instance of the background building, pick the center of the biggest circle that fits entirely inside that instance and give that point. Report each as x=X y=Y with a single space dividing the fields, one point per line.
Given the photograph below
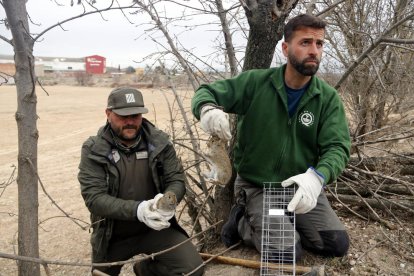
x=91 y=64
x=95 y=64
x=61 y=64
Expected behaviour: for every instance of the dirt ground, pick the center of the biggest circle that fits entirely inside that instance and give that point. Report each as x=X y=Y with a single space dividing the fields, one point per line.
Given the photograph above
x=67 y=116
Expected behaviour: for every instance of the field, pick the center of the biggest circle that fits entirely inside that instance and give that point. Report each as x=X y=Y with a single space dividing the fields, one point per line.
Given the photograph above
x=67 y=116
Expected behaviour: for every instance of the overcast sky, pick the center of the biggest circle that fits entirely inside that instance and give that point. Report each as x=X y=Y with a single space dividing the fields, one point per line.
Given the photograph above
x=114 y=38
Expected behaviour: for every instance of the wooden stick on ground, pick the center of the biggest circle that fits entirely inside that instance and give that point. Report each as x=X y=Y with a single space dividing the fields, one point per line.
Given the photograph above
x=96 y=272
x=317 y=271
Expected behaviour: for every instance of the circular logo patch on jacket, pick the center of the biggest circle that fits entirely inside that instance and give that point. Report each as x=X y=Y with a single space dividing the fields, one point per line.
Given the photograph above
x=306 y=118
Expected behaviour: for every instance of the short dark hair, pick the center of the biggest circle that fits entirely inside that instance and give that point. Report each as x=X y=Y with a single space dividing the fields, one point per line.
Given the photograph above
x=300 y=21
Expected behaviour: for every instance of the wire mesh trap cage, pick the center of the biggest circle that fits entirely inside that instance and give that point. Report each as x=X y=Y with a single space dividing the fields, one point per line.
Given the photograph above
x=278 y=232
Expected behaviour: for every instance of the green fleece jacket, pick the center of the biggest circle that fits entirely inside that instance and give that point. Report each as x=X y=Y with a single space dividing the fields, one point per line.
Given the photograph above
x=99 y=182
x=271 y=146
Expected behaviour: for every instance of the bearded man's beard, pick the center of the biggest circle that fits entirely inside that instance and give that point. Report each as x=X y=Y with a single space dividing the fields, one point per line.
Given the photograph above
x=302 y=67
x=121 y=135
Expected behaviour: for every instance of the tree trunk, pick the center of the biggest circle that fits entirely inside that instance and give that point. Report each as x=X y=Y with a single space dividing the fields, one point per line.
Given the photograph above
x=266 y=20
x=28 y=243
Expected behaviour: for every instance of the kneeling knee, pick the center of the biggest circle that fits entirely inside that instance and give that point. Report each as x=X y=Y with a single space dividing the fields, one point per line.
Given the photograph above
x=335 y=242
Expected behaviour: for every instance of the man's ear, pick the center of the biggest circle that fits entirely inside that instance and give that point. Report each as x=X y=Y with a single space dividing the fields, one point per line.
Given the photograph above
x=285 y=48
x=107 y=112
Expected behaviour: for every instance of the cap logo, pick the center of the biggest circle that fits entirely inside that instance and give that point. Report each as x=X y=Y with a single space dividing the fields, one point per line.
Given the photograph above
x=130 y=98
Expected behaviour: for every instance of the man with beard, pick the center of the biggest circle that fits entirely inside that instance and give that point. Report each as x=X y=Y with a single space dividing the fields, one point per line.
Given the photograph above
x=124 y=171
x=291 y=130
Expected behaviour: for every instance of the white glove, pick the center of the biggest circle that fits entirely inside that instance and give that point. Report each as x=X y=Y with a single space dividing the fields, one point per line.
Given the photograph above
x=215 y=122
x=306 y=196
x=151 y=217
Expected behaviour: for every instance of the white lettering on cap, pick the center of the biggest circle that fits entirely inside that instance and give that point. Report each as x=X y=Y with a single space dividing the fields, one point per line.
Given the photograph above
x=130 y=98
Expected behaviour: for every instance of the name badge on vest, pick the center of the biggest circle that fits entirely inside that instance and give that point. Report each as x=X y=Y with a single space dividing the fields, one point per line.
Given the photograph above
x=141 y=154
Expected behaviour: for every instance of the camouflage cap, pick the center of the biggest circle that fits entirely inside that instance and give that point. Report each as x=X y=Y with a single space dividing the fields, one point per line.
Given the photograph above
x=126 y=101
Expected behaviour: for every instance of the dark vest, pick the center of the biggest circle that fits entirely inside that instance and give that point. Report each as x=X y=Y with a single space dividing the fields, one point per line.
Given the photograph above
x=135 y=184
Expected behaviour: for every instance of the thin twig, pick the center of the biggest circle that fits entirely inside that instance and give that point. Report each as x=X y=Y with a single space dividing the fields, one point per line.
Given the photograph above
x=345 y=205
x=202 y=206
x=212 y=258
x=392 y=243
x=370 y=249
x=133 y=260
x=51 y=199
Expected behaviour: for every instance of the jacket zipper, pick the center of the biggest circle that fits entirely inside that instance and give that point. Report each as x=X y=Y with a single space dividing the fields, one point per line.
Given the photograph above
x=290 y=123
x=283 y=151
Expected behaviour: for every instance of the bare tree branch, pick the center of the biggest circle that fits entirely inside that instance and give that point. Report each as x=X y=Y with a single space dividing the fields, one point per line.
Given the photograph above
x=152 y=12
x=399 y=46
x=82 y=15
x=397 y=40
x=51 y=199
x=330 y=7
x=9 y=41
x=371 y=48
x=133 y=260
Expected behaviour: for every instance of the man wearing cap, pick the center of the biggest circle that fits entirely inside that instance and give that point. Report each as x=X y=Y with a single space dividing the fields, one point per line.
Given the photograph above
x=124 y=170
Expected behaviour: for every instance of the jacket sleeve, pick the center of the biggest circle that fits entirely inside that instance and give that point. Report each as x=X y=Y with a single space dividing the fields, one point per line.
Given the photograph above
x=232 y=94
x=173 y=172
x=95 y=189
x=334 y=141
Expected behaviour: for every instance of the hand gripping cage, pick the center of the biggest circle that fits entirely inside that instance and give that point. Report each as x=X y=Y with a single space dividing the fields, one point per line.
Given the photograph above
x=278 y=232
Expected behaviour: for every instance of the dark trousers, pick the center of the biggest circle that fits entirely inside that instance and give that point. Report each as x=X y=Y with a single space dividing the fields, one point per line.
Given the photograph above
x=319 y=231
x=178 y=261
